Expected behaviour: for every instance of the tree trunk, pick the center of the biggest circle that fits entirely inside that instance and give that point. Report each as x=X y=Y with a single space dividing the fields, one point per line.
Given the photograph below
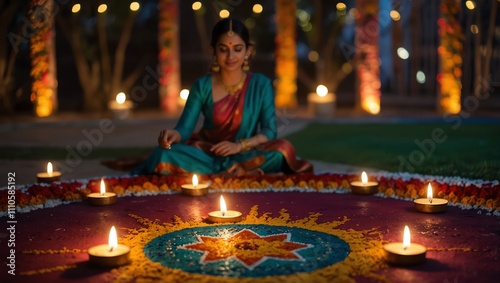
x=477 y=55
x=99 y=78
x=485 y=73
x=286 y=54
x=116 y=84
x=7 y=58
x=416 y=44
x=105 y=59
x=317 y=41
x=92 y=90
x=397 y=79
x=42 y=58
x=450 y=54
x=168 y=55
x=367 y=31
x=468 y=55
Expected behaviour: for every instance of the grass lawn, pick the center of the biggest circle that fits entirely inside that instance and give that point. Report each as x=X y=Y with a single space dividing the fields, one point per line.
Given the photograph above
x=467 y=150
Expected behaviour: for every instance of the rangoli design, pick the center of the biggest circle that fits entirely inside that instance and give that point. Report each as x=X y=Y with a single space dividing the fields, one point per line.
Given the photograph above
x=260 y=247
x=247 y=247
x=237 y=250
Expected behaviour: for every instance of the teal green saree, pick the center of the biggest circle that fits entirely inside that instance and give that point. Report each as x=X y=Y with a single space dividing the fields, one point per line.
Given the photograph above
x=248 y=112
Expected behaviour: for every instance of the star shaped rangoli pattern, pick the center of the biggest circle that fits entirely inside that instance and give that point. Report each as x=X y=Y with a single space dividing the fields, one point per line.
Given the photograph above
x=247 y=247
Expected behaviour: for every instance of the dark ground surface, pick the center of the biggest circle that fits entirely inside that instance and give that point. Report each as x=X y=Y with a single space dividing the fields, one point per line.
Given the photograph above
x=81 y=135
x=79 y=226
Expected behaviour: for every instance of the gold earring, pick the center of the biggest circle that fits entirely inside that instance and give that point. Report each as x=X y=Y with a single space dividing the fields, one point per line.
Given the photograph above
x=245 y=67
x=215 y=66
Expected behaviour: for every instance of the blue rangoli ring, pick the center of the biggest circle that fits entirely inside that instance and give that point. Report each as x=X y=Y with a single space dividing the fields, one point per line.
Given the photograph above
x=246 y=250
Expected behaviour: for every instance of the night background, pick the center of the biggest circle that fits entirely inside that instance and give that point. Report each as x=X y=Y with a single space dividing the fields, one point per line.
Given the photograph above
x=406 y=133
x=325 y=49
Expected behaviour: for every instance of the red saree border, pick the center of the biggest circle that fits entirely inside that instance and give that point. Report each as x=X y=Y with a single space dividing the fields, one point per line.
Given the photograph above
x=286 y=148
x=163 y=167
x=233 y=118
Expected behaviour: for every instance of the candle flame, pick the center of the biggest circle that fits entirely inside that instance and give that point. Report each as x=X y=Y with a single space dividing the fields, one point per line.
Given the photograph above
x=322 y=90
x=223 y=207
x=195 y=181
x=103 y=187
x=49 y=168
x=429 y=192
x=406 y=237
x=364 y=178
x=120 y=98
x=113 y=239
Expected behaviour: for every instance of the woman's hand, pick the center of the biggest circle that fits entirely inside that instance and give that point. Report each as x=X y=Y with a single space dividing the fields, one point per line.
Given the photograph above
x=168 y=137
x=226 y=148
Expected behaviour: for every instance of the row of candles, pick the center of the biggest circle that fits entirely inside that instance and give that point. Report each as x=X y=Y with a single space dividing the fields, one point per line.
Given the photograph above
x=121 y=106
x=113 y=254
x=405 y=253
x=427 y=205
x=320 y=103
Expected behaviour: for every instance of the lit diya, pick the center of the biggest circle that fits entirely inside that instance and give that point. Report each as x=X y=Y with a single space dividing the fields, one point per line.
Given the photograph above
x=49 y=176
x=121 y=106
x=194 y=189
x=430 y=204
x=321 y=103
x=224 y=215
x=110 y=255
x=364 y=187
x=405 y=253
x=101 y=198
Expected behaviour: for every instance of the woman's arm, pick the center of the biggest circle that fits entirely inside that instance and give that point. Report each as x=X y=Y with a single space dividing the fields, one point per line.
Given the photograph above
x=267 y=119
x=267 y=115
x=189 y=117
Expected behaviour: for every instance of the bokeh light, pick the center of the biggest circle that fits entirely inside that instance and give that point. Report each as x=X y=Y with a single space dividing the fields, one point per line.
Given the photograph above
x=257 y=8
x=184 y=94
x=354 y=13
x=403 y=53
x=303 y=15
x=102 y=8
x=134 y=6
x=347 y=68
x=395 y=15
x=470 y=5
x=474 y=29
x=313 y=56
x=341 y=6
x=76 y=8
x=196 y=5
x=321 y=90
x=420 y=77
x=224 y=14
x=250 y=23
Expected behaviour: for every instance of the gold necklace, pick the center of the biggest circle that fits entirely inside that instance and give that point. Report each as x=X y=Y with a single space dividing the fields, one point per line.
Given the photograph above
x=232 y=89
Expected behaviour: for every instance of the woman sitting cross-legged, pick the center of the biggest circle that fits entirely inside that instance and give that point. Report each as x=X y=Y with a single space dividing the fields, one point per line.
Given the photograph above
x=238 y=136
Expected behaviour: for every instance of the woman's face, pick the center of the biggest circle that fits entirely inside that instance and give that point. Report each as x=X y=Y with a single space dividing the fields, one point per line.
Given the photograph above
x=230 y=52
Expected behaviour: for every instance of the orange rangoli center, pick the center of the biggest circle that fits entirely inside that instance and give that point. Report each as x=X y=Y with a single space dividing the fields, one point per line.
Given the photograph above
x=247 y=247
